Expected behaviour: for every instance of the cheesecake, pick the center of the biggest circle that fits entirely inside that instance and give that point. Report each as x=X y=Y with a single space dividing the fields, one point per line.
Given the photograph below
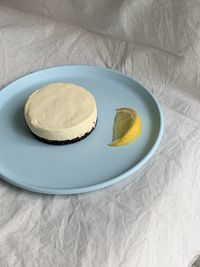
x=61 y=113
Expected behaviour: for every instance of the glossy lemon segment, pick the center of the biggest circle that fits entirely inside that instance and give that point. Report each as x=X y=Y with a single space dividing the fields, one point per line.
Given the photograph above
x=127 y=127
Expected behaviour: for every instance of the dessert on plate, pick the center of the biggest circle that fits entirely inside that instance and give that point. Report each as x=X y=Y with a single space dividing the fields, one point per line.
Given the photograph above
x=61 y=113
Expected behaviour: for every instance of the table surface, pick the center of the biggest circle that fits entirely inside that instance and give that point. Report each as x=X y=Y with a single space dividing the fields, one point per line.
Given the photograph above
x=153 y=218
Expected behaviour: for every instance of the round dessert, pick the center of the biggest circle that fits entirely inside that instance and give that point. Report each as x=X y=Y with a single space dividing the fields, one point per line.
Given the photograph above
x=61 y=113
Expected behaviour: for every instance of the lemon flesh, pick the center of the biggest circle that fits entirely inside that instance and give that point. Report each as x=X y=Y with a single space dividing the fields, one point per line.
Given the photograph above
x=127 y=127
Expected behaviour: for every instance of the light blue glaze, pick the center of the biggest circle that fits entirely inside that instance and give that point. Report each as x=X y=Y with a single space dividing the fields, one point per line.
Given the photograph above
x=89 y=164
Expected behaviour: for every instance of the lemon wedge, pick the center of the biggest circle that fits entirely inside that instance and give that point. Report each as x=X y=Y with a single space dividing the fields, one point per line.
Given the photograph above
x=127 y=127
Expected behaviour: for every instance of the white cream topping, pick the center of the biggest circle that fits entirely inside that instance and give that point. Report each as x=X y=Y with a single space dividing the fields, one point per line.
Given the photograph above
x=61 y=111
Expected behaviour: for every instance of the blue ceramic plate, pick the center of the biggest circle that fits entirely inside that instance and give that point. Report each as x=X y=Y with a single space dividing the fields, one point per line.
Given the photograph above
x=89 y=164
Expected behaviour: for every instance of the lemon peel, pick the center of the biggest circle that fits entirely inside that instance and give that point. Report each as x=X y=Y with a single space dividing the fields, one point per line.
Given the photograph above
x=127 y=127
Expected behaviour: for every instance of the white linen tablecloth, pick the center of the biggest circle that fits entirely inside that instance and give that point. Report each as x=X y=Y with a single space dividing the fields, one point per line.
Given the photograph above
x=153 y=218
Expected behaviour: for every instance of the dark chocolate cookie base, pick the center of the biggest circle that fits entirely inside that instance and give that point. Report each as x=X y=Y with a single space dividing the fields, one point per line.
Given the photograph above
x=65 y=142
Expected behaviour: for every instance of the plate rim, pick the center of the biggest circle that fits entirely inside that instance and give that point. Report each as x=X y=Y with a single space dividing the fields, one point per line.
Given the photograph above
x=100 y=185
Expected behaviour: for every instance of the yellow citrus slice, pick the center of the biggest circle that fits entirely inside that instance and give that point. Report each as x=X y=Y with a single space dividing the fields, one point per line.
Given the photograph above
x=127 y=127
